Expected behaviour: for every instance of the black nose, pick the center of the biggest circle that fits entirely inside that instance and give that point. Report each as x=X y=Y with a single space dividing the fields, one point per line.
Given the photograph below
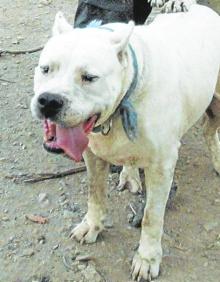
x=50 y=104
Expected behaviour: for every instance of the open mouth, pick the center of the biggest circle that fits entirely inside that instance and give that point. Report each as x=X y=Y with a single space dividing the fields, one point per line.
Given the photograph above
x=69 y=140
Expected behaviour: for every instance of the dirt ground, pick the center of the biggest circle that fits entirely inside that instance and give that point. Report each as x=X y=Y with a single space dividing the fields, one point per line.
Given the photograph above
x=31 y=252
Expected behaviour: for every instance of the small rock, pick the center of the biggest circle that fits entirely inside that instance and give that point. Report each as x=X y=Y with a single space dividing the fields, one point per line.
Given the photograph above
x=130 y=217
x=5 y=218
x=20 y=37
x=81 y=267
x=210 y=226
x=45 y=2
x=15 y=41
x=108 y=223
x=103 y=243
x=41 y=240
x=91 y=274
x=62 y=198
x=67 y=214
x=28 y=253
x=42 y=197
x=55 y=247
x=65 y=203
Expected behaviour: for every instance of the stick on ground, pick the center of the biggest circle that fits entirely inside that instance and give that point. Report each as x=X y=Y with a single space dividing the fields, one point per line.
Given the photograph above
x=33 y=178
x=18 y=52
x=6 y=80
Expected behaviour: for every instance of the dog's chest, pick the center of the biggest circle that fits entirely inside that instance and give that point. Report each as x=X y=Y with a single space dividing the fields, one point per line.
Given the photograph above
x=117 y=149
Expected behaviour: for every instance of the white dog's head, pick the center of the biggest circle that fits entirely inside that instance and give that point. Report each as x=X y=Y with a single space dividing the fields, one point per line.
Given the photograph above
x=78 y=82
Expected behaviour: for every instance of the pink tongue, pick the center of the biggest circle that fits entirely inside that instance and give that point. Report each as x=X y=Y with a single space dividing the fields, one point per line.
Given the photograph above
x=73 y=141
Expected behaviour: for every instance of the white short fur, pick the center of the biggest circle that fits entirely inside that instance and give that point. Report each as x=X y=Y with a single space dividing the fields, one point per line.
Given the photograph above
x=178 y=63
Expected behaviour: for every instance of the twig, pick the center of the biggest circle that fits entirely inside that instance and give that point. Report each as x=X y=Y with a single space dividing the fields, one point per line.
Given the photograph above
x=18 y=52
x=102 y=275
x=6 y=80
x=33 y=178
x=132 y=209
x=67 y=265
x=84 y=258
x=180 y=248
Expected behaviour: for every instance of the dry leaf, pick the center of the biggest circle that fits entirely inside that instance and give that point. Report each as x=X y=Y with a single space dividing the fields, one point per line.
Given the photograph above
x=37 y=218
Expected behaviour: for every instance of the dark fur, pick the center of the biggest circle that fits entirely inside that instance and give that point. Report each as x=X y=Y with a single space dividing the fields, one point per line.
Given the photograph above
x=111 y=11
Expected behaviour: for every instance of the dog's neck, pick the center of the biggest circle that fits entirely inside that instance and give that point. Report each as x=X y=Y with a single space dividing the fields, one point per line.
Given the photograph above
x=123 y=106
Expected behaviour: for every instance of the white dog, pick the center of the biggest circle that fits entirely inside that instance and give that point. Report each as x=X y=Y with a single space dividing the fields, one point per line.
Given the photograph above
x=126 y=95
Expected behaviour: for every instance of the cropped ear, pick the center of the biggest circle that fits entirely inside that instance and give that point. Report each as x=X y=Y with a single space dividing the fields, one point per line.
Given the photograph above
x=120 y=38
x=60 y=25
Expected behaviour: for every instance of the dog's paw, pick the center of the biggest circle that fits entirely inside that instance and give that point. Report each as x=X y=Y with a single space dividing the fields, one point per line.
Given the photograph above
x=176 y=6
x=157 y=3
x=86 y=232
x=145 y=268
x=216 y=168
x=130 y=179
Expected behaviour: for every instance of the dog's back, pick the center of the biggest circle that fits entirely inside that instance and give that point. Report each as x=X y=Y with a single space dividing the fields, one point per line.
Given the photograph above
x=186 y=52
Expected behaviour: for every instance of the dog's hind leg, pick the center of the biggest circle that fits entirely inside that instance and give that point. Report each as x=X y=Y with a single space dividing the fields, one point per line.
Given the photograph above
x=93 y=223
x=130 y=178
x=211 y=126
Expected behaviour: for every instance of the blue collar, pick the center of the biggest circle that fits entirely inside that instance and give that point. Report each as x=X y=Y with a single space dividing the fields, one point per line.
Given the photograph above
x=125 y=109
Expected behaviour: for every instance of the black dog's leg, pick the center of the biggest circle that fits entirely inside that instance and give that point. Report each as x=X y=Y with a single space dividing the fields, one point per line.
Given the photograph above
x=136 y=218
x=141 y=10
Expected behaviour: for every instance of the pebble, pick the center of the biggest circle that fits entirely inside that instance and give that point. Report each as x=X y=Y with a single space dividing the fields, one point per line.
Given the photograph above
x=67 y=214
x=5 y=218
x=28 y=253
x=81 y=267
x=210 y=226
x=45 y=2
x=91 y=274
x=66 y=202
x=41 y=240
x=62 y=198
x=130 y=217
x=15 y=41
x=55 y=247
x=108 y=223
x=42 y=197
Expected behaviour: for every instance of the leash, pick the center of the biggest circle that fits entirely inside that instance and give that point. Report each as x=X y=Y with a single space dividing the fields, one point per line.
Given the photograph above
x=125 y=108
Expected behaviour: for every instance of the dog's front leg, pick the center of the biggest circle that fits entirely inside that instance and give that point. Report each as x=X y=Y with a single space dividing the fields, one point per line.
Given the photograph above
x=92 y=224
x=146 y=262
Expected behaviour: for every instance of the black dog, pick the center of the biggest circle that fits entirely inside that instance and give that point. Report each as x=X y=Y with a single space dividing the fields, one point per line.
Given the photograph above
x=111 y=11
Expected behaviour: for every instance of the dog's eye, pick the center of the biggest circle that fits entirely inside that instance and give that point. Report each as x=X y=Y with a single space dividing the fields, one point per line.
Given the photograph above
x=89 y=77
x=44 y=69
